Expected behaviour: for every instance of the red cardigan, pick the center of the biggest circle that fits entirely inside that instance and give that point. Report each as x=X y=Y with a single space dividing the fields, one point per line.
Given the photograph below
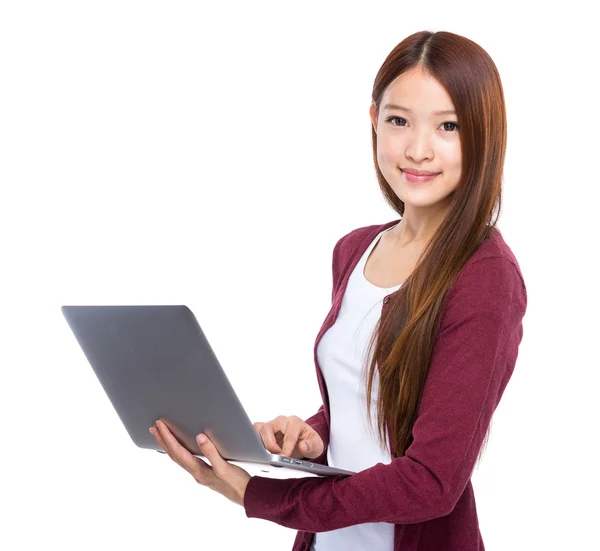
x=427 y=493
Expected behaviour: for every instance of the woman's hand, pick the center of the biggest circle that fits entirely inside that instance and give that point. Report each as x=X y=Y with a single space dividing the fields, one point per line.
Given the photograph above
x=223 y=477
x=290 y=436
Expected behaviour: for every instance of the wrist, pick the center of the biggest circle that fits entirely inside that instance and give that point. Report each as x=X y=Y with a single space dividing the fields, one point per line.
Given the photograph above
x=242 y=492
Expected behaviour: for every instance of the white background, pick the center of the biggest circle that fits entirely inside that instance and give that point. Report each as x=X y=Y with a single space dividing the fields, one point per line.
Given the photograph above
x=211 y=154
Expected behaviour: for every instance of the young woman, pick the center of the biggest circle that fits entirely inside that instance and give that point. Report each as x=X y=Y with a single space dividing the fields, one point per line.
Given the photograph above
x=423 y=332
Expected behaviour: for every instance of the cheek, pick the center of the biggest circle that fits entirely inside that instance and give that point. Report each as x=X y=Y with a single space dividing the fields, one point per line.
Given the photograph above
x=450 y=156
x=386 y=155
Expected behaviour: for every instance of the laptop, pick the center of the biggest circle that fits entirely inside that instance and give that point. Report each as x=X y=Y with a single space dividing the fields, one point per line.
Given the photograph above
x=155 y=362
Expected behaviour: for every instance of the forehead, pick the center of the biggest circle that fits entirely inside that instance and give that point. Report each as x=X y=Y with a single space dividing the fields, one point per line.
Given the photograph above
x=418 y=92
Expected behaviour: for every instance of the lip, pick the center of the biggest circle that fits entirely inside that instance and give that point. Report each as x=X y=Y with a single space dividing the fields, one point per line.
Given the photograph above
x=419 y=172
x=418 y=179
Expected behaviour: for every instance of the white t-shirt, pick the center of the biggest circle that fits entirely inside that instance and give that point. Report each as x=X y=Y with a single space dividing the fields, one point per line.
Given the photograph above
x=353 y=443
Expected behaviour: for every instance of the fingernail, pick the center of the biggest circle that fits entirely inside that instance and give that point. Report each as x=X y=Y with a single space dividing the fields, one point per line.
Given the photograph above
x=202 y=439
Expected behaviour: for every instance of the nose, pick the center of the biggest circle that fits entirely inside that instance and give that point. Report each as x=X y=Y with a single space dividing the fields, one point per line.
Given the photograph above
x=419 y=147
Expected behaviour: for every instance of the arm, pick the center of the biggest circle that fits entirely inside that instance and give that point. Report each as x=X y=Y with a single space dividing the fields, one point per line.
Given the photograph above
x=473 y=358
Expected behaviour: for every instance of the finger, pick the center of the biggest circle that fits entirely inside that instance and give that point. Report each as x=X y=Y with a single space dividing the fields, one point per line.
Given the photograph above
x=161 y=442
x=306 y=442
x=180 y=455
x=155 y=432
x=159 y=439
x=268 y=435
x=202 y=472
x=290 y=439
x=219 y=465
x=314 y=442
x=258 y=427
x=158 y=430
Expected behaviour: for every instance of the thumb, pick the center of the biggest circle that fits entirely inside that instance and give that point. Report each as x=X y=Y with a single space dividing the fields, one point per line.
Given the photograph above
x=307 y=446
x=311 y=446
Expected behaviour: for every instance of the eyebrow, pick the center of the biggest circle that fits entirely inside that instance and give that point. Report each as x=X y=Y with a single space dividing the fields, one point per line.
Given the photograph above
x=390 y=106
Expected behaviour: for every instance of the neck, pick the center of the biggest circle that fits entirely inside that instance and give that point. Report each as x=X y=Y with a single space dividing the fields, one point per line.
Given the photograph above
x=417 y=228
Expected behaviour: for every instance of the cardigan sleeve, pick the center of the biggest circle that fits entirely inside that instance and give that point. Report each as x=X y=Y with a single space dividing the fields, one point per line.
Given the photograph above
x=474 y=355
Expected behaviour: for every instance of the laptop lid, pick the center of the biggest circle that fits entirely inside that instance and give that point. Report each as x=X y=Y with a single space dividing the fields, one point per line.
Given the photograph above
x=155 y=362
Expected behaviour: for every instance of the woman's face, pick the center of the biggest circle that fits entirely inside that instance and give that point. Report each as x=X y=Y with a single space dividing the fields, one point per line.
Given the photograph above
x=418 y=139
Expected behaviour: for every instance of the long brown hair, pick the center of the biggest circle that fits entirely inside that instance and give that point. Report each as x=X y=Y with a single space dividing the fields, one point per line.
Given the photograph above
x=405 y=335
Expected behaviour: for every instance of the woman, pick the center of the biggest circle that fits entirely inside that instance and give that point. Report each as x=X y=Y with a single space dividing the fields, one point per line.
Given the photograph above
x=434 y=301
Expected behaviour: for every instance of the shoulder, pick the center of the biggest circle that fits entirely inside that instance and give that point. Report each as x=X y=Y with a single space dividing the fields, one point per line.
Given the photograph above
x=349 y=242
x=490 y=284
x=493 y=265
x=493 y=260
x=349 y=246
x=494 y=247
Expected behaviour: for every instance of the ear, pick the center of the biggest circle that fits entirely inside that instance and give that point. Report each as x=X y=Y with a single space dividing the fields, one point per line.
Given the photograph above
x=373 y=116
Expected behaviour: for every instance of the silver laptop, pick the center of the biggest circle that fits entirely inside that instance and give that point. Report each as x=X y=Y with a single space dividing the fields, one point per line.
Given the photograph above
x=155 y=362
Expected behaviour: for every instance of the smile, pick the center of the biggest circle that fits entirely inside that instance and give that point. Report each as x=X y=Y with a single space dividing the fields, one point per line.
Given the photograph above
x=418 y=179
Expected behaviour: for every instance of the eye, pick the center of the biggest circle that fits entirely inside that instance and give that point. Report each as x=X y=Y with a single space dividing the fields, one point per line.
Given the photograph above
x=390 y=119
x=452 y=123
